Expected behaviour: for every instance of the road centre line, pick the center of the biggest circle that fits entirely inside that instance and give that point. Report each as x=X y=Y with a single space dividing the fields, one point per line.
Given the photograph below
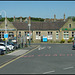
x=17 y=58
x=48 y=72
x=68 y=68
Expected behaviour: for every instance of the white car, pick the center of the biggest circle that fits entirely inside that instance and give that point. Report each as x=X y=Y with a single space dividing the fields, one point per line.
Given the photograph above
x=10 y=47
x=2 y=46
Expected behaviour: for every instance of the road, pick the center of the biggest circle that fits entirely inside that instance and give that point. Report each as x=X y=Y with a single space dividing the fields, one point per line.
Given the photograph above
x=46 y=59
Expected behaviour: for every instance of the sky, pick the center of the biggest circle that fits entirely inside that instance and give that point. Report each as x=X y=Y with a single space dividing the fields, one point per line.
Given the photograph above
x=39 y=9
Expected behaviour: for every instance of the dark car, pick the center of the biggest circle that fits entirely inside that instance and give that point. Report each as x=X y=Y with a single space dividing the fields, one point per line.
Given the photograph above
x=1 y=51
x=73 y=45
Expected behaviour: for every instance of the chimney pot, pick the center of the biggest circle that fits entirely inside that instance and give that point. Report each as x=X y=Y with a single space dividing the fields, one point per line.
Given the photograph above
x=54 y=17
x=64 y=17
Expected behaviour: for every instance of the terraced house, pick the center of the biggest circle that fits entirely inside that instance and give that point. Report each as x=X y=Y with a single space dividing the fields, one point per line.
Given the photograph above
x=53 y=29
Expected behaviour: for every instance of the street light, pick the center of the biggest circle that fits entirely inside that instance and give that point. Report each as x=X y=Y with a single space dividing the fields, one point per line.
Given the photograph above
x=29 y=29
x=5 y=27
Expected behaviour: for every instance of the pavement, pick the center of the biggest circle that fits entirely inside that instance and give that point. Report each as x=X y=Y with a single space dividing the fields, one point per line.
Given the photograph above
x=8 y=57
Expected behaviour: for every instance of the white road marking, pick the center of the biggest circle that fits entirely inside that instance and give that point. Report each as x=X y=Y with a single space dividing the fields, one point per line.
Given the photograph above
x=68 y=68
x=49 y=72
x=49 y=47
x=43 y=47
x=40 y=48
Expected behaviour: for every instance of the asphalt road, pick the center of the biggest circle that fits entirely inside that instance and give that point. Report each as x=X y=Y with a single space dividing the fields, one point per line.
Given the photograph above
x=46 y=59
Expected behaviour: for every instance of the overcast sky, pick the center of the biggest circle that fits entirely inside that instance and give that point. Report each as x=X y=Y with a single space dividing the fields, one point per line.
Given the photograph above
x=42 y=9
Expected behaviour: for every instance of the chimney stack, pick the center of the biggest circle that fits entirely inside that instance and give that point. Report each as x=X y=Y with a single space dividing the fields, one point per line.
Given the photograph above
x=20 y=19
x=14 y=18
x=54 y=17
x=64 y=17
x=29 y=20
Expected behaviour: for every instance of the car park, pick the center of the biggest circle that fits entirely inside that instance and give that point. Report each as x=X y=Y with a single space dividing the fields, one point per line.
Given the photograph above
x=1 y=51
x=8 y=46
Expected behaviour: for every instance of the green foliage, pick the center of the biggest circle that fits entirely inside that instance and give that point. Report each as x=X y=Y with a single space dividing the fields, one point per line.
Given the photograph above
x=69 y=41
x=23 y=18
x=72 y=17
x=62 y=41
x=2 y=19
x=10 y=19
x=37 y=19
x=4 y=39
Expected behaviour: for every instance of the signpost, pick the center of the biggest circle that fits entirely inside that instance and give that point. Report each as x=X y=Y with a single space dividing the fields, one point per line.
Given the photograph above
x=29 y=29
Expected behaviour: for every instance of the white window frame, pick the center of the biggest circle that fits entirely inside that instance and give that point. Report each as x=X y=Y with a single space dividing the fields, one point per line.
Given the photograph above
x=57 y=35
x=38 y=36
x=49 y=35
x=65 y=34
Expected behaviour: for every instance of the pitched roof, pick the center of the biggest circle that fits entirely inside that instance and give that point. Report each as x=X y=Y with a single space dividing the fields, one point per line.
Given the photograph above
x=39 y=25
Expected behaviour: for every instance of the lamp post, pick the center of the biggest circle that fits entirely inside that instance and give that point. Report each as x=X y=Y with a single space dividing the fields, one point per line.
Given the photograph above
x=5 y=28
x=29 y=29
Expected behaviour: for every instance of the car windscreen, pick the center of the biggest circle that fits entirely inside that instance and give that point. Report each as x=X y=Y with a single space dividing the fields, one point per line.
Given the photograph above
x=2 y=45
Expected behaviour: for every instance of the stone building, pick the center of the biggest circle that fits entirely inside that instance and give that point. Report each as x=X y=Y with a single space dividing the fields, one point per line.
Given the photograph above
x=55 y=30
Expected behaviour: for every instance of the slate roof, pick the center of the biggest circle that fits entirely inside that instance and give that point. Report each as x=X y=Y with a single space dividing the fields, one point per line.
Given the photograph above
x=39 y=25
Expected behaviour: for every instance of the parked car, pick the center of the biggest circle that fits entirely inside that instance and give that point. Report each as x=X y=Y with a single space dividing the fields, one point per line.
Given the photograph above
x=10 y=47
x=16 y=46
x=73 y=47
x=1 y=51
x=2 y=42
x=2 y=46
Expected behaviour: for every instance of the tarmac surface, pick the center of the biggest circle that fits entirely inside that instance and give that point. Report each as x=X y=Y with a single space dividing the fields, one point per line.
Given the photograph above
x=8 y=57
x=44 y=59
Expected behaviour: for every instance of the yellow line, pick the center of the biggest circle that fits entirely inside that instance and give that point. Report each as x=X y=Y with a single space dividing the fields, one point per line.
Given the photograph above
x=16 y=58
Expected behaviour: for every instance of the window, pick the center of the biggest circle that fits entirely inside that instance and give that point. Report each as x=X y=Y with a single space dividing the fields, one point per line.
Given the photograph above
x=11 y=34
x=49 y=35
x=69 y=25
x=73 y=33
x=66 y=35
x=2 y=34
x=57 y=35
x=20 y=34
x=25 y=33
x=38 y=35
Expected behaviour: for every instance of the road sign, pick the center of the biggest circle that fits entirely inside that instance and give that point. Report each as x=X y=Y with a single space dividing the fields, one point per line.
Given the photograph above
x=5 y=35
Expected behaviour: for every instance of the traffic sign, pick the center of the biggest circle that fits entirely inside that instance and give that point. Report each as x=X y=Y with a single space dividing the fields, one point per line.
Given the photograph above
x=5 y=35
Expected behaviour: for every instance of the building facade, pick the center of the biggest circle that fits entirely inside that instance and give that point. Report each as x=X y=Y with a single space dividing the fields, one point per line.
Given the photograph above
x=53 y=30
